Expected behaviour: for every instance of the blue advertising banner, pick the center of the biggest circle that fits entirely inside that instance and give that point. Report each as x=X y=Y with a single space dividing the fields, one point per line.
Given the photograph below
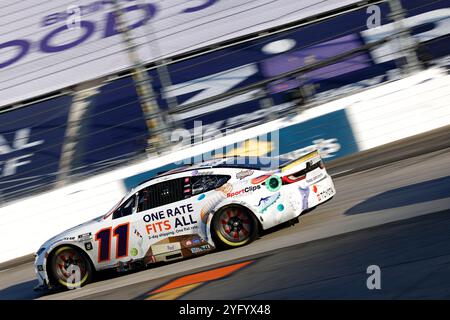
x=30 y=145
x=331 y=133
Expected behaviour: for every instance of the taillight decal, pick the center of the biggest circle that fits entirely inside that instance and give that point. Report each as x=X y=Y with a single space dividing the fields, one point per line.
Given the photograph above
x=300 y=175
x=291 y=179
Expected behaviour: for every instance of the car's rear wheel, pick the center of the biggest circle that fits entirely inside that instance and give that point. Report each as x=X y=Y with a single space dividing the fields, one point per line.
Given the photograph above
x=234 y=226
x=70 y=267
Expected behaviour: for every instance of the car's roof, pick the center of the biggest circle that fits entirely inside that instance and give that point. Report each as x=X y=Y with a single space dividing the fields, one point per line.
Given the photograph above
x=254 y=163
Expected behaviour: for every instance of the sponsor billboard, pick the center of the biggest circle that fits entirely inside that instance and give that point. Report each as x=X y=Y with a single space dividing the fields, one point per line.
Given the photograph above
x=49 y=45
x=236 y=66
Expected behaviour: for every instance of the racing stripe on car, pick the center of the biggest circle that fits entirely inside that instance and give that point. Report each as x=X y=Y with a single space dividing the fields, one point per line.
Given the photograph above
x=179 y=287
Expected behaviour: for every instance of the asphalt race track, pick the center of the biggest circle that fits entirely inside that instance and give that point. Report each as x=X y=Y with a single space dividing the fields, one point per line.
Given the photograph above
x=395 y=216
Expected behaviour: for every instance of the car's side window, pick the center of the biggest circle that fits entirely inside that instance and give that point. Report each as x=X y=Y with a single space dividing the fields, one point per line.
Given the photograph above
x=204 y=183
x=164 y=193
x=144 y=200
x=125 y=209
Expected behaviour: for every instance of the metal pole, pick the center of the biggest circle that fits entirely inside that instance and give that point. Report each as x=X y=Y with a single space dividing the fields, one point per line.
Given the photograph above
x=405 y=41
x=162 y=70
x=77 y=111
x=156 y=126
x=161 y=65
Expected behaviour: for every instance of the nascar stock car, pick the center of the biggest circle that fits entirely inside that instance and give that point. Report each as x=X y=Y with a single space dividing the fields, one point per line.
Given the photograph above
x=189 y=211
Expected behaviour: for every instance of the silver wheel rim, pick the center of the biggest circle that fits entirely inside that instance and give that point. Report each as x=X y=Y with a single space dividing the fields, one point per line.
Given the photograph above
x=234 y=224
x=65 y=263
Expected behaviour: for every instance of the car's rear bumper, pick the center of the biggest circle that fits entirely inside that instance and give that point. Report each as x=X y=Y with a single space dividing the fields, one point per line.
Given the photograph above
x=297 y=198
x=321 y=192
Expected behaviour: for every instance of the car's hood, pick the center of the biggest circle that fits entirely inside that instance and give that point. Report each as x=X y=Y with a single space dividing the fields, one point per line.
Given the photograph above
x=73 y=233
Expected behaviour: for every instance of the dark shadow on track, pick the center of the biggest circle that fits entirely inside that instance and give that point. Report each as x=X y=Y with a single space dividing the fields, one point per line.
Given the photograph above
x=413 y=256
x=21 y=291
x=412 y=194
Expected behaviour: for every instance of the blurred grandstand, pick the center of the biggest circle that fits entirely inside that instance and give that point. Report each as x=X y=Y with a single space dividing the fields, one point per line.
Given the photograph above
x=77 y=101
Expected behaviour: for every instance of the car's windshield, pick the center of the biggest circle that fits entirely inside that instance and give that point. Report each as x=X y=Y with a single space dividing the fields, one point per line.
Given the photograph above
x=113 y=209
x=127 y=208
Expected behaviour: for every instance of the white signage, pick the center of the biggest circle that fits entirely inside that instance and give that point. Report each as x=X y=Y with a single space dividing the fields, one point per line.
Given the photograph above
x=50 y=45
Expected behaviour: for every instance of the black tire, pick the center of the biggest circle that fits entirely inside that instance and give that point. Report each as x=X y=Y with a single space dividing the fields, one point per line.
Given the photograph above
x=293 y=222
x=64 y=264
x=234 y=226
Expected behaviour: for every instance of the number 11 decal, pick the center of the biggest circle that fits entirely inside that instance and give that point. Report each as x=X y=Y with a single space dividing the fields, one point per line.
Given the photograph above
x=121 y=232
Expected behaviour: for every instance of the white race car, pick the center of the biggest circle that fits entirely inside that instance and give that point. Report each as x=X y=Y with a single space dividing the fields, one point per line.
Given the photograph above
x=222 y=203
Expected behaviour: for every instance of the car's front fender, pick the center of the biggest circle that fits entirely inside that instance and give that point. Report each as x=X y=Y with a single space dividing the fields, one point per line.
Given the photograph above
x=41 y=261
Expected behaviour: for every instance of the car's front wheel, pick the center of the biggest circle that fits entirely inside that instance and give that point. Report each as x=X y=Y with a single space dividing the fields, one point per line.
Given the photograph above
x=234 y=226
x=70 y=267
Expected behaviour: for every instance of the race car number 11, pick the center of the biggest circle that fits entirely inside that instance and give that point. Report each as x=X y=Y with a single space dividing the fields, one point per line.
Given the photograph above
x=121 y=232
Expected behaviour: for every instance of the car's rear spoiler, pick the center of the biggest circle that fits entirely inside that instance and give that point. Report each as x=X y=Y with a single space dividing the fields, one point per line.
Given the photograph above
x=291 y=164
